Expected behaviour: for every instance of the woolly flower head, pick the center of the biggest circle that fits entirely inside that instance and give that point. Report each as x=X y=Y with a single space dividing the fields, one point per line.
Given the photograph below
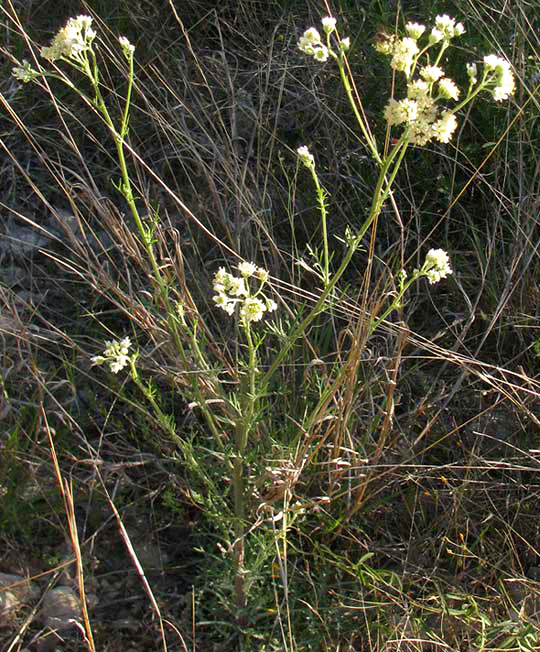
x=403 y=111
x=444 y=128
x=436 y=266
x=75 y=37
x=247 y=269
x=116 y=354
x=252 y=309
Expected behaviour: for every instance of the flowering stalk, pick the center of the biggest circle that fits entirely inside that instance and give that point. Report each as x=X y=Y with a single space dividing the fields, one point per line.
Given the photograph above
x=232 y=293
x=308 y=160
x=73 y=44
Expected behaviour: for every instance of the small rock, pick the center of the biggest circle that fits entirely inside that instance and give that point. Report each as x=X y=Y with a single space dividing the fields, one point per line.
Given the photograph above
x=15 y=591
x=61 y=608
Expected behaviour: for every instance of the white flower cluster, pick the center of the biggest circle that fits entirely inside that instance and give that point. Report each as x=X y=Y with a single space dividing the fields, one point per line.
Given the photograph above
x=127 y=47
x=73 y=39
x=420 y=111
x=305 y=156
x=501 y=73
x=310 y=42
x=445 y=29
x=436 y=265
x=233 y=290
x=116 y=354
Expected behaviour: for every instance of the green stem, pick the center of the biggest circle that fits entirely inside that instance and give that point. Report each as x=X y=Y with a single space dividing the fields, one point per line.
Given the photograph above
x=145 y=233
x=322 y=208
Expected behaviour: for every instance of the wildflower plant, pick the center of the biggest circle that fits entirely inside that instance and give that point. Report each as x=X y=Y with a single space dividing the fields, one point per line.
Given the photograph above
x=426 y=112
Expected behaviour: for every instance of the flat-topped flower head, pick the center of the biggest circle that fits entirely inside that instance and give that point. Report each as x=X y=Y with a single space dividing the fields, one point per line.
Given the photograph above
x=345 y=44
x=444 y=128
x=447 y=26
x=321 y=53
x=252 y=309
x=436 y=36
x=232 y=291
x=309 y=40
x=397 y=112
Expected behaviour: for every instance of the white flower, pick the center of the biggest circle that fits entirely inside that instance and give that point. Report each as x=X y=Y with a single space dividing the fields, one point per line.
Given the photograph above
x=116 y=354
x=237 y=287
x=329 y=24
x=431 y=73
x=403 y=54
x=225 y=303
x=459 y=29
x=415 y=30
x=437 y=265
x=445 y=127
x=309 y=40
x=271 y=305
x=398 y=112
x=448 y=89
x=127 y=47
x=261 y=274
x=75 y=37
x=418 y=90
x=435 y=36
x=320 y=53
x=305 y=156
x=252 y=309
x=385 y=43
x=420 y=132
x=312 y=36
x=247 y=269
x=446 y=26
x=345 y=44
x=504 y=78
